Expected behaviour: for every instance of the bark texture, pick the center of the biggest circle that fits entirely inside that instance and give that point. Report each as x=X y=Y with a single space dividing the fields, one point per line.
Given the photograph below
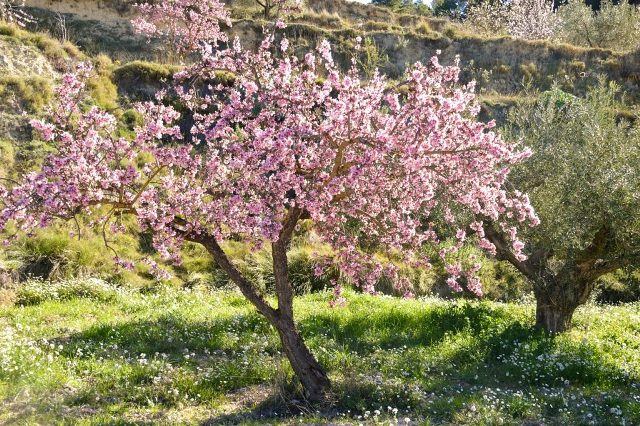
x=551 y=318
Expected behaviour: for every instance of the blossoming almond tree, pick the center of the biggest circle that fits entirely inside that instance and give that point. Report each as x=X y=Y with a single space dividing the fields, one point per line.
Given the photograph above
x=290 y=139
x=12 y=11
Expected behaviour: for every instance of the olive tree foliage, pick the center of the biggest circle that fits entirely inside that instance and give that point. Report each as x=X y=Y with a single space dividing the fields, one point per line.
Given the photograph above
x=614 y=26
x=584 y=182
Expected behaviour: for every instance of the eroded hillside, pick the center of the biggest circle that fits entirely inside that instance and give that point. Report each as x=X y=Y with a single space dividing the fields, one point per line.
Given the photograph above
x=500 y=65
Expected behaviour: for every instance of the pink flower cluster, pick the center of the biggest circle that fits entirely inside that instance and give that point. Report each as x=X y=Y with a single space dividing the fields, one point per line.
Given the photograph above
x=367 y=161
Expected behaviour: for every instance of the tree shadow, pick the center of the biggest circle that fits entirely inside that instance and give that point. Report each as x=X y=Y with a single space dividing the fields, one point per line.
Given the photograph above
x=167 y=334
x=398 y=328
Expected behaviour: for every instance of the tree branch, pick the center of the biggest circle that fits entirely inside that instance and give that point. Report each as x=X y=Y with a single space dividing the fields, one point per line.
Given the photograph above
x=218 y=254
x=504 y=252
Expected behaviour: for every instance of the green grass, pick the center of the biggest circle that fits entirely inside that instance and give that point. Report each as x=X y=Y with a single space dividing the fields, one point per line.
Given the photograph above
x=30 y=94
x=59 y=54
x=188 y=357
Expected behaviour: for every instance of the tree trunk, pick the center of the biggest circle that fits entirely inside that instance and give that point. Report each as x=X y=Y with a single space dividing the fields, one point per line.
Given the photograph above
x=312 y=376
x=267 y=9
x=557 y=300
x=553 y=318
x=559 y=293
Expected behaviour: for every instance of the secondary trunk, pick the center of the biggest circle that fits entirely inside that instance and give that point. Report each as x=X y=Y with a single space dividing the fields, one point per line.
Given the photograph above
x=312 y=376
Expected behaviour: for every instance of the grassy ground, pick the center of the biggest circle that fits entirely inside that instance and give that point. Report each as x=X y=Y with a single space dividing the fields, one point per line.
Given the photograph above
x=197 y=357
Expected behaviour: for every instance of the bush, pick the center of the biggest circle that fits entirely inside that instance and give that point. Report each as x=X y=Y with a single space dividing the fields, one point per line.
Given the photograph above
x=258 y=267
x=53 y=254
x=370 y=58
x=102 y=91
x=140 y=80
x=7 y=157
x=34 y=292
x=72 y=50
x=450 y=32
x=323 y=19
x=301 y=272
x=425 y=29
x=7 y=29
x=59 y=55
x=148 y=72
x=619 y=287
x=376 y=26
x=43 y=255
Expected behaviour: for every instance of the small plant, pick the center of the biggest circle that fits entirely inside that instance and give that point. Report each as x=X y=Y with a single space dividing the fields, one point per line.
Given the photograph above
x=371 y=58
x=27 y=94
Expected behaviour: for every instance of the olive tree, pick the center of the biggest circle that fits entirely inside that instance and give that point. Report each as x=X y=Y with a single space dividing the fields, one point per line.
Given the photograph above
x=584 y=182
x=614 y=26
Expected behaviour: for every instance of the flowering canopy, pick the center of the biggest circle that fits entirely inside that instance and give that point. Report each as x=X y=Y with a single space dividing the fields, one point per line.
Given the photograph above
x=290 y=138
x=186 y=23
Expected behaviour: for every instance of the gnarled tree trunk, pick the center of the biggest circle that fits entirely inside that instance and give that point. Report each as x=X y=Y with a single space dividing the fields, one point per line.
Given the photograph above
x=554 y=309
x=551 y=319
x=558 y=293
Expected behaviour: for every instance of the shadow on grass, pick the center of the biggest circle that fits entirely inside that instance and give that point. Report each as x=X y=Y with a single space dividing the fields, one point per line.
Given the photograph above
x=371 y=331
x=167 y=334
x=209 y=361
